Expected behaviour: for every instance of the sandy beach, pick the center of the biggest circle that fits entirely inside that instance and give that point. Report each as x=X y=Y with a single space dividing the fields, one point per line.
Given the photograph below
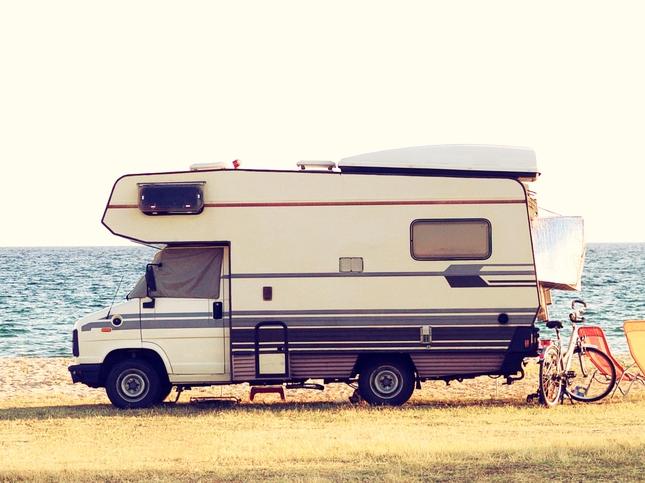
x=28 y=381
x=32 y=381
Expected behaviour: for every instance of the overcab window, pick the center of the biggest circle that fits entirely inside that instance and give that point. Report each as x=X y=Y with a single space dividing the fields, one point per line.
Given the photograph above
x=450 y=239
x=171 y=198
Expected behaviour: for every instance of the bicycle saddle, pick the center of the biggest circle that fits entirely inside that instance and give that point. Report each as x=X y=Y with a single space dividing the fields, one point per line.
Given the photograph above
x=554 y=324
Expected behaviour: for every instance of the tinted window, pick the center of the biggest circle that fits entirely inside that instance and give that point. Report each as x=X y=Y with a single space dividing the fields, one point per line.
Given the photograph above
x=171 y=198
x=450 y=239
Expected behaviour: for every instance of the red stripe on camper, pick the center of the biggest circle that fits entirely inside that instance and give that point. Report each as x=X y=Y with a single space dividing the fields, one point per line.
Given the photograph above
x=349 y=203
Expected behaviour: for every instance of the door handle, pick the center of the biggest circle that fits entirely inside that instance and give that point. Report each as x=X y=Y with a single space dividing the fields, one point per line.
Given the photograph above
x=217 y=310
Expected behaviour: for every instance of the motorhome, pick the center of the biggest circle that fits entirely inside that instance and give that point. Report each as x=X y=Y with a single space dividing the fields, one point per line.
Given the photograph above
x=386 y=270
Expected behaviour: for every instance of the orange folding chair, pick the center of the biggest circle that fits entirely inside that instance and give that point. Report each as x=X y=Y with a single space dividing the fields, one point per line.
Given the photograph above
x=595 y=336
x=635 y=335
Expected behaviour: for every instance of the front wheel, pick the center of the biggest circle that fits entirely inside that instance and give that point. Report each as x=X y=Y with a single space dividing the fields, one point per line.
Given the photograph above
x=133 y=383
x=164 y=392
x=593 y=375
x=386 y=382
x=550 y=377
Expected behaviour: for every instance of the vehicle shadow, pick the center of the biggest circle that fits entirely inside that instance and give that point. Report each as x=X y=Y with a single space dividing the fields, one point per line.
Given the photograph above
x=190 y=409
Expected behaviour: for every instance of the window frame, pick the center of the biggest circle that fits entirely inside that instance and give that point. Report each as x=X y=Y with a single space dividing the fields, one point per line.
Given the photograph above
x=198 y=185
x=449 y=220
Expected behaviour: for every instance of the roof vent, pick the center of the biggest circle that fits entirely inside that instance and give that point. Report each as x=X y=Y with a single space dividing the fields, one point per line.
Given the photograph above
x=328 y=165
x=207 y=166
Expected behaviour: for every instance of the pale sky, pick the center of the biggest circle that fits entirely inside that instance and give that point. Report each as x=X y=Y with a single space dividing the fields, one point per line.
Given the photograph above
x=93 y=90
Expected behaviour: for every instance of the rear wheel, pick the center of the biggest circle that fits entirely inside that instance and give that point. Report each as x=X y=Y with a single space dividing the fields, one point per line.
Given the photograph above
x=593 y=375
x=386 y=382
x=550 y=377
x=133 y=383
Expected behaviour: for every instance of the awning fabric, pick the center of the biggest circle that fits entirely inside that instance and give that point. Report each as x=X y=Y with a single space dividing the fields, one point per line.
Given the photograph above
x=559 y=247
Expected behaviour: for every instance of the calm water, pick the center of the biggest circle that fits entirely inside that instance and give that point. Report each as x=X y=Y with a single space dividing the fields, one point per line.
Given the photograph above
x=44 y=290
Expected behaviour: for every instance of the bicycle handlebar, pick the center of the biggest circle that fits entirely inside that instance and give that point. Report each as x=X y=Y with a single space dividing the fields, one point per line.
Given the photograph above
x=575 y=302
x=576 y=315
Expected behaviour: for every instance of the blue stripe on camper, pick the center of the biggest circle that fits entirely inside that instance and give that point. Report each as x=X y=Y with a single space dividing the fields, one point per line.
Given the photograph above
x=326 y=318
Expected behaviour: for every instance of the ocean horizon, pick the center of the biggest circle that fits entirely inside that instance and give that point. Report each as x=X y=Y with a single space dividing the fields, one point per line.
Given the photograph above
x=43 y=290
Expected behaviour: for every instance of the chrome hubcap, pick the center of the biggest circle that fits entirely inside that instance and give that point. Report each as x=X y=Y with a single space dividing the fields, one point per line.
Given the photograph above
x=386 y=382
x=134 y=385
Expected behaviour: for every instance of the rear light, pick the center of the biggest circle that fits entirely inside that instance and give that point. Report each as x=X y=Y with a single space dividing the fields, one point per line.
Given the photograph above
x=75 y=351
x=531 y=341
x=542 y=345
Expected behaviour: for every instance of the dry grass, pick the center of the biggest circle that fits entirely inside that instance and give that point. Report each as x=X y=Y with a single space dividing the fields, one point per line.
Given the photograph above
x=436 y=437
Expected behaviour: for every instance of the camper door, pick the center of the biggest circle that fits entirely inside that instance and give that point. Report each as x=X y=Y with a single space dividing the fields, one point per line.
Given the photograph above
x=184 y=312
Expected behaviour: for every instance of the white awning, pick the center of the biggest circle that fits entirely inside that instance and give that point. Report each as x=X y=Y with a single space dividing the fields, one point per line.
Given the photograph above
x=559 y=247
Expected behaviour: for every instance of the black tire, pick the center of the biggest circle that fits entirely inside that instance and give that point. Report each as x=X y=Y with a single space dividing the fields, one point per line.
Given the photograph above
x=164 y=391
x=550 y=377
x=386 y=382
x=595 y=375
x=133 y=383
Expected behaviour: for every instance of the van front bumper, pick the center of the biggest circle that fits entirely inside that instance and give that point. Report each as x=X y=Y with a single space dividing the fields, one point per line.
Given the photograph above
x=88 y=374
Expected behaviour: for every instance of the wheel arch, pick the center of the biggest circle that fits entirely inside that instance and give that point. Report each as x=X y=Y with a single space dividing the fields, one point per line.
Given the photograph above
x=368 y=358
x=147 y=354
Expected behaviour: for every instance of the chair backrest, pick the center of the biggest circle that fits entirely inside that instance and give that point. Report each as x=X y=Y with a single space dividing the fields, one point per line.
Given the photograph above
x=635 y=334
x=595 y=336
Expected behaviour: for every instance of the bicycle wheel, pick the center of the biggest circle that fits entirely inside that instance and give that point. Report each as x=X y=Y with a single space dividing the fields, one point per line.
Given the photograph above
x=592 y=375
x=550 y=378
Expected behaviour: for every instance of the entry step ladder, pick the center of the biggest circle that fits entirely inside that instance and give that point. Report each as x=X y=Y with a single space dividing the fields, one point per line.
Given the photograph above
x=267 y=390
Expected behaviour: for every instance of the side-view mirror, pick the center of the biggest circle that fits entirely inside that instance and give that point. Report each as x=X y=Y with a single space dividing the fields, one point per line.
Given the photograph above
x=151 y=282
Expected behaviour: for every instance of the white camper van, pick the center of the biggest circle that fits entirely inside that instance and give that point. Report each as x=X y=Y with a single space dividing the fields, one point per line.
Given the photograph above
x=394 y=268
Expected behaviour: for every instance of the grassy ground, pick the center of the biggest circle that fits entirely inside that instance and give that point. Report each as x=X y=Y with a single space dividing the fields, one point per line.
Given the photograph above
x=52 y=430
x=444 y=440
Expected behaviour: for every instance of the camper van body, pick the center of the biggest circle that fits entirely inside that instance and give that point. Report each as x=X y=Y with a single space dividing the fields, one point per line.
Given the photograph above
x=400 y=267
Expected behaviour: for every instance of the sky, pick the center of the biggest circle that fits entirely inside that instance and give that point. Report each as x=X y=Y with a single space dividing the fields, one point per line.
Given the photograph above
x=93 y=90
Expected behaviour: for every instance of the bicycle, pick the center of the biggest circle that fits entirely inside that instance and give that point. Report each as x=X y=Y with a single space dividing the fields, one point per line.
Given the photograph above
x=583 y=372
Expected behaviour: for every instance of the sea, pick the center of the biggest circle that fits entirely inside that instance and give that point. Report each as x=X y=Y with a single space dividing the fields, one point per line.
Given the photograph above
x=44 y=290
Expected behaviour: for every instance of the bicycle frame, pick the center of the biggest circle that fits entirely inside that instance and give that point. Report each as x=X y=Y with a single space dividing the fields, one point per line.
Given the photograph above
x=576 y=346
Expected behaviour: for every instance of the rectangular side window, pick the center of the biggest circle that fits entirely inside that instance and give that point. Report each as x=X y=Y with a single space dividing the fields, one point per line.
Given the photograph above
x=448 y=239
x=171 y=198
